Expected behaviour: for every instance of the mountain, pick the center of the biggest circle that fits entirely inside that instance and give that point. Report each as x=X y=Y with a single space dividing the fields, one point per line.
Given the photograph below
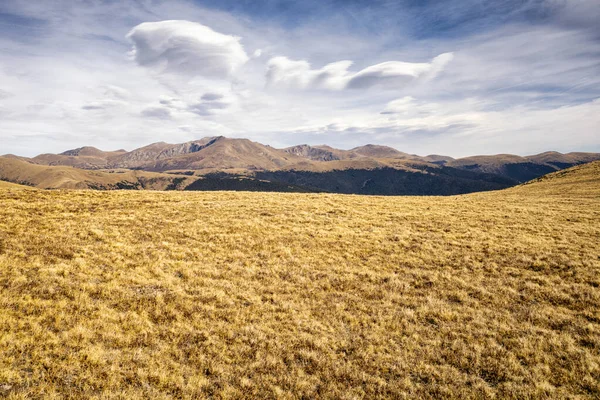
x=210 y=153
x=326 y=153
x=312 y=153
x=224 y=154
x=153 y=153
x=375 y=151
x=437 y=159
x=214 y=163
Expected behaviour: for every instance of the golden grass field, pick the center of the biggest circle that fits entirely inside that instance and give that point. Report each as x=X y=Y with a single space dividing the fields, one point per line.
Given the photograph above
x=135 y=294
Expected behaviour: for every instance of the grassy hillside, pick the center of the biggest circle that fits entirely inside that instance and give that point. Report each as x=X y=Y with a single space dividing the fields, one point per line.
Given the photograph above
x=64 y=177
x=581 y=180
x=523 y=169
x=9 y=185
x=254 y=295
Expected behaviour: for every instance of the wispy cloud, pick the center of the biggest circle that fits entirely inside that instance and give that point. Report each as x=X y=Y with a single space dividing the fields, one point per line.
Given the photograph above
x=283 y=72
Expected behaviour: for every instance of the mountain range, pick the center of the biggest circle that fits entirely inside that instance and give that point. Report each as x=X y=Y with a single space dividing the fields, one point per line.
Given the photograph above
x=220 y=163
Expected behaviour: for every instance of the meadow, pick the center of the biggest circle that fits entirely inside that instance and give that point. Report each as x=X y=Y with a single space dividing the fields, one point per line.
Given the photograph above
x=139 y=294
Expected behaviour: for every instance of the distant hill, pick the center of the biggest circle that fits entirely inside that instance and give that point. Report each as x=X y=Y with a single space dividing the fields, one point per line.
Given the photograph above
x=326 y=153
x=220 y=153
x=374 y=151
x=437 y=159
x=63 y=177
x=248 y=165
x=83 y=157
x=523 y=169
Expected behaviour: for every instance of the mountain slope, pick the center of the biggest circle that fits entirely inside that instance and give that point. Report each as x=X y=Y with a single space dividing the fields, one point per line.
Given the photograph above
x=410 y=179
x=312 y=153
x=375 y=151
x=522 y=169
x=437 y=159
x=226 y=154
x=373 y=169
x=63 y=177
x=155 y=152
x=560 y=160
x=10 y=185
x=83 y=157
x=219 y=153
x=581 y=180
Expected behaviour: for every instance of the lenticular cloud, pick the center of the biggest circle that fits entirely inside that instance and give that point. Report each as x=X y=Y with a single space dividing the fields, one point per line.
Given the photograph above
x=283 y=72
x=188 y=48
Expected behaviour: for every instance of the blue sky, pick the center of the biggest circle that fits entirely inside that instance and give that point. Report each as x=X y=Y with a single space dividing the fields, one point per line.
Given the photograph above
x=446 y=77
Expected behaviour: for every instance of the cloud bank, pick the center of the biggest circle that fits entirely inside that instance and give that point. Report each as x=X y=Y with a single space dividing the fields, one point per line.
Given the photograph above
x=185 y=47
x=508 y=81
x=286 y=73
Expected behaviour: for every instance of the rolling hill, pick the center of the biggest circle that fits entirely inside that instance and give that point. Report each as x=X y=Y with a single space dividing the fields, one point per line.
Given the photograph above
x=63 y=177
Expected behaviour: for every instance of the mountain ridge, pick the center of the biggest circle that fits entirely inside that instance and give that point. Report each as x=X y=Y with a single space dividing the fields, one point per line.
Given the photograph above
x=249 y=154
x=245 y=164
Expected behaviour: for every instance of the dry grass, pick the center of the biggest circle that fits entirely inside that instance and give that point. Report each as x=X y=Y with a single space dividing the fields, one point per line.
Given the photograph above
x=232 y=295
x=579 y=181
x=66 y=177
x=9 y=185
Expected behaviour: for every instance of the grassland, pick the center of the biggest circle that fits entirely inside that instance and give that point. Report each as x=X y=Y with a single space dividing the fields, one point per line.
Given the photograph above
x=261 y=295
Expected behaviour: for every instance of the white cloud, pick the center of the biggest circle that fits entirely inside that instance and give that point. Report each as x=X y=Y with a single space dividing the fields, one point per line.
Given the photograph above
x=206 y=108
x=212 y=96
x=400 y=106
x=463 y=128
x=156 y=112
x=283 y=72
x=4 y=94
x=116 y=92
x=104 y=104
x=208 y=104
x=188 y=48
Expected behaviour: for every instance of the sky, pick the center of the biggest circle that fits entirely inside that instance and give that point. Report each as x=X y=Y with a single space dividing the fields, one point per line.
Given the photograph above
x=448 y=77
